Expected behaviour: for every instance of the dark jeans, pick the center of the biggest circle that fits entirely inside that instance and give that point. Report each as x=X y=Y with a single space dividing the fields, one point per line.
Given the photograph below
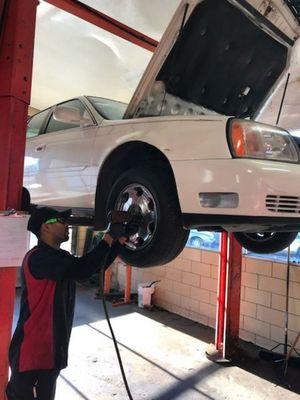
x=30 y=385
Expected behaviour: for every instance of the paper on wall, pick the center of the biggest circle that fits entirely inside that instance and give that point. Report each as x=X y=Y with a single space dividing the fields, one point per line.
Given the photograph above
x=14 y=239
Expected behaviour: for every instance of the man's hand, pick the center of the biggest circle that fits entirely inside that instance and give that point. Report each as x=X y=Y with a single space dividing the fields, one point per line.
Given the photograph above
x=122 y=240
x=108 y=239
x=122 y=230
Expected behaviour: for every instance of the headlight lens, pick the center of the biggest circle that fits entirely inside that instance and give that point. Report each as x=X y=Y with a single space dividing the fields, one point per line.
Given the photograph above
x=249 y=139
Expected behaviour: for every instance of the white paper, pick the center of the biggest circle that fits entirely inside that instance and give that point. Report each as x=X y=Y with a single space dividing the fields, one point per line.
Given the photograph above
x=14 y=240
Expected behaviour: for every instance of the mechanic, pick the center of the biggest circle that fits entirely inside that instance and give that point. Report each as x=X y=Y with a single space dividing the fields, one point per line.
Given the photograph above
x=39 y=347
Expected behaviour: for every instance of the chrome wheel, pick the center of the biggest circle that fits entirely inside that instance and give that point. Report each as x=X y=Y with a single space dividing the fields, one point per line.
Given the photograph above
x=138 y=200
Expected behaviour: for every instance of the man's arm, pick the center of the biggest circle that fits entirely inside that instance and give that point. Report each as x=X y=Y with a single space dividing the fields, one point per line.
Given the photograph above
x=56 y=266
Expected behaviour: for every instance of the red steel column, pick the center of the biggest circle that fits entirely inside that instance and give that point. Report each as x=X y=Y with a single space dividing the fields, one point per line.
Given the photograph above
x=17 y=26
x=221 y=295
x=229 y=297
x=127 y=293
x=233 y=297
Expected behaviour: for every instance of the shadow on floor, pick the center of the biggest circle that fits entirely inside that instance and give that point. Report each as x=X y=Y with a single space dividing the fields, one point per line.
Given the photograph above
x=181 y=324
x=181 y=385
x=90 y=310
x=248 y=359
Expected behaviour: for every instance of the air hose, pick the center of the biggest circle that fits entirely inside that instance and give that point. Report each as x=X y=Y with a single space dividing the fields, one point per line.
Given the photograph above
x=111 y=329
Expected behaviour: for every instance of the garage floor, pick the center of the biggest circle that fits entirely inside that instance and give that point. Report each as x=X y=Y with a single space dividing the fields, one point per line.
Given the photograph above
x=163 y=356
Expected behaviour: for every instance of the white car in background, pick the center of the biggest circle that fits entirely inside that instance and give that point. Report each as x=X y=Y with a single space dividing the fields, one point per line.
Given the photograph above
x=187 y=152
x=202 y=239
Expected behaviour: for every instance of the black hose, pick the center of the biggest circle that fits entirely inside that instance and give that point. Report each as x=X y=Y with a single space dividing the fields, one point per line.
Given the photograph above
x=111 y=330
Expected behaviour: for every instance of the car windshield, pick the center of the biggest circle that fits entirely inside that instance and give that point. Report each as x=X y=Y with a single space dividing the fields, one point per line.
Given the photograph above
x=109 y=109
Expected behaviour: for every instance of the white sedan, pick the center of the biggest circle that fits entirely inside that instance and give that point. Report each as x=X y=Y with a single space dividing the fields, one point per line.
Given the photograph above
x=188 y=152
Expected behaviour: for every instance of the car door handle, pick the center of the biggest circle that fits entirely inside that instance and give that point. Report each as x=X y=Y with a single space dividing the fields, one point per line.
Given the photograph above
x=41 y=147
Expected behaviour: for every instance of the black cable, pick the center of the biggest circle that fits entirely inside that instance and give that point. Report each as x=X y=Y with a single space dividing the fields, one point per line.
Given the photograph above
x=111 y=329
x=283 y=97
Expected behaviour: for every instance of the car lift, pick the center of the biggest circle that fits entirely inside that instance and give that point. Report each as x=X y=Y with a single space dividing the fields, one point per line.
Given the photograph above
x=17 y=28
x=127 y=289
x=228 y=300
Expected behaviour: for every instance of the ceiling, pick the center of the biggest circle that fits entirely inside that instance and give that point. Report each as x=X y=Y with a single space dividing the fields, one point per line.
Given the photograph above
x=73 y=57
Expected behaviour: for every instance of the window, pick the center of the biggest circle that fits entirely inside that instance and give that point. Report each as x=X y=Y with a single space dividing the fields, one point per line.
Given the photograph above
x=35 y=124
x=204 y=240
x=108 y=109
x=54 y=125
x=211 y=241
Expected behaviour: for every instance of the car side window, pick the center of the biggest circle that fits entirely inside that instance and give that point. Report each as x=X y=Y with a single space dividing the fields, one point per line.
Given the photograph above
x=54 y=125
x=35 y=124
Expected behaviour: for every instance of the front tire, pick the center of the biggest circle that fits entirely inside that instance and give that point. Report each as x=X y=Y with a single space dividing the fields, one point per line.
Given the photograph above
x=265 y=242
x=149 y=193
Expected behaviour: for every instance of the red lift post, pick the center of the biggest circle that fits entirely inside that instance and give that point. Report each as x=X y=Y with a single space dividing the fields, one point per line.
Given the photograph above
x=229 y=297
x=233 y=297
x=17 y=26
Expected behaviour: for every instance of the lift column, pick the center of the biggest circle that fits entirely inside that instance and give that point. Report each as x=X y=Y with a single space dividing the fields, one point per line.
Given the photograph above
x=17 y=26
x=233 y=297
x=229 y=298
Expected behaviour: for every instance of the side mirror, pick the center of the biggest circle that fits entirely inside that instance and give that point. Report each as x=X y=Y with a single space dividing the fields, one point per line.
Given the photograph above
x=70 y=115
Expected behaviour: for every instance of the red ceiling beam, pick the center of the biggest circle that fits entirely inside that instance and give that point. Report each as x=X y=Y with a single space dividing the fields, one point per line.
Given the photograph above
x=109 y=24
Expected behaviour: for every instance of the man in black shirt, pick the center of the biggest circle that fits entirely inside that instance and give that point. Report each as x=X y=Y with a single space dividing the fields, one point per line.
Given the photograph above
x=39 y=347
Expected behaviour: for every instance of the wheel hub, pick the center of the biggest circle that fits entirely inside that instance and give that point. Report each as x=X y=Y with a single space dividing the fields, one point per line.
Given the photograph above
x=138 y=200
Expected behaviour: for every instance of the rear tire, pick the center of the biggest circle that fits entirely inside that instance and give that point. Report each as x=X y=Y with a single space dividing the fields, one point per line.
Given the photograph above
x=151 y=190
x=266 y=242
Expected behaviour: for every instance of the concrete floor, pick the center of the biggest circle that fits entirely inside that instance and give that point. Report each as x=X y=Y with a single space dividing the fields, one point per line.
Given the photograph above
x=164 y=358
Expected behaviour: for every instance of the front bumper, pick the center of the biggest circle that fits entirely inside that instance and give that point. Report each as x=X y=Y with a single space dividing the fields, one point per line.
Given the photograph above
x=254 y=181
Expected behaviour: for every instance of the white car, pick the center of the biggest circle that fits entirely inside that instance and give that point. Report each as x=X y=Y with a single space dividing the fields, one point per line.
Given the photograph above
x=187 y=153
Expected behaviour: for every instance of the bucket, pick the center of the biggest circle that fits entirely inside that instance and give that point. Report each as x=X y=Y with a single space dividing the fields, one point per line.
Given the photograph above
x=145 y=292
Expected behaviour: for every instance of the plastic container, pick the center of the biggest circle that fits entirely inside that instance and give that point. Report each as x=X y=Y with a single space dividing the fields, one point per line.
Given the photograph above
x=145 y=293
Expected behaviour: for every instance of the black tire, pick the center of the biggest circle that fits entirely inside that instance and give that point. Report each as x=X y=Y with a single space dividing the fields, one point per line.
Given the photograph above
x=266 y=242
x=168 y=237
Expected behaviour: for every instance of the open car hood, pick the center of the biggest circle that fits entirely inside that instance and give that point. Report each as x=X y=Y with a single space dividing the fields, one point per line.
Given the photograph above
x=218 y=57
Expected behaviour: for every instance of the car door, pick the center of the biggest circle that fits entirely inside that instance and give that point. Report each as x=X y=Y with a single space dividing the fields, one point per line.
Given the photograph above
x=32 y=173
x=63 y=155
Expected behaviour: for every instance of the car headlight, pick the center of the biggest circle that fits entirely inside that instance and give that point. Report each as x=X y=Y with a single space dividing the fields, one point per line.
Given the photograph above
x=249 y=139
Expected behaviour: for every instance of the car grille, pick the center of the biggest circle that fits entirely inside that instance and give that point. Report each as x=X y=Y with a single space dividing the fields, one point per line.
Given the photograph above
x=286 y=204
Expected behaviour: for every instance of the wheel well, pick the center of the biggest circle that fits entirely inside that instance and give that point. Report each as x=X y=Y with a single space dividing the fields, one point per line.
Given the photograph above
x=126 y=156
